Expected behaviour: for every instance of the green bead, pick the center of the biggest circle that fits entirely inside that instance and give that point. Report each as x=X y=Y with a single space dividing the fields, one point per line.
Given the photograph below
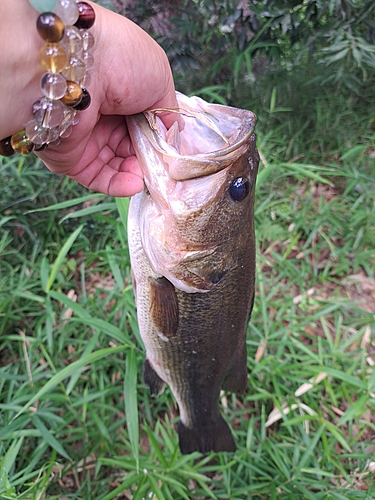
x=43 y=5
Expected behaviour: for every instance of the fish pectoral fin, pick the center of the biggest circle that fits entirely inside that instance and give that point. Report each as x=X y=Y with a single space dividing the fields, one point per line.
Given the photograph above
x=236 y=379
x=206 y=438
x=163 y=306
x=152 y=379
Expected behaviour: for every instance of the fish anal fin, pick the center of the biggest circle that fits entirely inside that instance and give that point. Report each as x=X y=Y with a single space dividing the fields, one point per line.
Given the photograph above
x=236 y=379
x=215 y=437
x=163 y=306
x=152 y=379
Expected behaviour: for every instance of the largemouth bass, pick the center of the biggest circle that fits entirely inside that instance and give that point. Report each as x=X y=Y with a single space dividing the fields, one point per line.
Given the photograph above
x=191 y=240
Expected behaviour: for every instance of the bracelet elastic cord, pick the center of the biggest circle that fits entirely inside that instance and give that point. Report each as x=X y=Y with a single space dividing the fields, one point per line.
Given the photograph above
x=63 y=25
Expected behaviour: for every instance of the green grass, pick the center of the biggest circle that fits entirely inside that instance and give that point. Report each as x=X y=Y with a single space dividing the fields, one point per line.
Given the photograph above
x=71 y=357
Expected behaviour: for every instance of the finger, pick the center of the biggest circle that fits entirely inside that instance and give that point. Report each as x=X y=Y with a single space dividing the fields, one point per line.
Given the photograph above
x=118 y=177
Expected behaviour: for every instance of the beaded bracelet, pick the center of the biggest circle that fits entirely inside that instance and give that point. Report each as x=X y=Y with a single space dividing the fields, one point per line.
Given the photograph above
x=65 y=56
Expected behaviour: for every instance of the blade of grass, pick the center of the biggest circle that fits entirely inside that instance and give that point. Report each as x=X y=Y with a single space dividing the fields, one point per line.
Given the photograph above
x=123 y=208
x=69 y=371
x=131 y=403
x=48 y=437
x=68 y=204
x=61 y=256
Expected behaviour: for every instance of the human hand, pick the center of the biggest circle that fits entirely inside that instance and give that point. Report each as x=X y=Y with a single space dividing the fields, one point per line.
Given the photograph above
x=130 y=74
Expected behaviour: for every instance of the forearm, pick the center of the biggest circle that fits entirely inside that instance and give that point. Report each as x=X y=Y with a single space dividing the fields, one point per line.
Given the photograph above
x=19 y=63
x=123 y=54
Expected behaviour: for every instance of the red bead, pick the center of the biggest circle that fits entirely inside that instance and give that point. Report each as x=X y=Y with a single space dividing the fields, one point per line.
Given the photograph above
x=86 y=16
x=5 y=147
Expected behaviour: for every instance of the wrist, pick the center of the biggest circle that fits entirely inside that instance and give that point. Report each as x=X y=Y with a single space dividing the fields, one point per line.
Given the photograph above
x=63 y=59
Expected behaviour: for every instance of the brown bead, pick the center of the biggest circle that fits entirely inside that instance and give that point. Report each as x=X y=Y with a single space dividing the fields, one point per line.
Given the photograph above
x=86 y=16
x=85 y=102
x=73 y=94
x=50 y=27
x=5 y=147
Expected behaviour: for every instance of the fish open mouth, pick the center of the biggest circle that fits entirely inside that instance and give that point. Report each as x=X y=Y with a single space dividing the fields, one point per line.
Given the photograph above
x=213 y=136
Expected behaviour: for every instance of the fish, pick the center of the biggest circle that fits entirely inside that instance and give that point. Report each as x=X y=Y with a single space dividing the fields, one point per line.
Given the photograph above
x=192 y=252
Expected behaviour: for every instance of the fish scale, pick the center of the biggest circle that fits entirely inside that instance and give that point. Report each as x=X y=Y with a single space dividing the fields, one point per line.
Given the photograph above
x=193 y=309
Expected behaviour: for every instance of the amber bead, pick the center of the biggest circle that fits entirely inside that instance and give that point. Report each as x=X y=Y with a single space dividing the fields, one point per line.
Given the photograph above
x=50 y=27
x=53 y=57
x=5 y=147
x=73 y=95
x=21 y=144
x=85 y=102
x=86 y=16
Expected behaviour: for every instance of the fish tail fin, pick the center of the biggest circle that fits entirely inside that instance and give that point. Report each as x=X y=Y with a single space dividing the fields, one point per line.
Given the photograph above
x=207 y=438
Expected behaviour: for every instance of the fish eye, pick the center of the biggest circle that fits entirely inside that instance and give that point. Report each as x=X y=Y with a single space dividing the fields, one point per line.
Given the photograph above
x=239 y=189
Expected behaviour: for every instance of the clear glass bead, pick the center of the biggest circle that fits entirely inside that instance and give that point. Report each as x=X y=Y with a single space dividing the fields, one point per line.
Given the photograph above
x=86 y=80
x=75 y=70
x=67 y=10
x=40 y=135
x=89 y=60
x=76 y=118
x=37 y=133
x=88 y=40
x=67 y=120
x=67 y=133
x=72 y=41
x=53 y=85
x=55 y=143
x=53 y=57
x=47 y=112
x=54 y=135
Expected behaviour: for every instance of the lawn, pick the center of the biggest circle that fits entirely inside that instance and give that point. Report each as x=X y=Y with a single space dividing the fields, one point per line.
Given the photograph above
x=76 y=420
